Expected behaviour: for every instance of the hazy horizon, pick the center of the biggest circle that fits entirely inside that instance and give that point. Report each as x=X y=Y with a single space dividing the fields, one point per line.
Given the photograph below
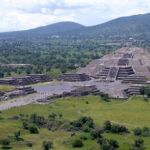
x=27 y=14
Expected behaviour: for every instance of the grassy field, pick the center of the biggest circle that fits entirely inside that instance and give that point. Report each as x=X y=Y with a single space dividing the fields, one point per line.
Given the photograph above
x=5 y=88
x=132 y=113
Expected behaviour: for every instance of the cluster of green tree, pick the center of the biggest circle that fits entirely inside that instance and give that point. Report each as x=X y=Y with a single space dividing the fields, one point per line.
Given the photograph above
x=10 y=71
x=50 y=56
x=145 y=132
x=108 y=144
x=97 y=134
x=138 y=145
x=115 y=128
x=35 y=121
x=86 y=125
x=46 y=145
x=133 y=26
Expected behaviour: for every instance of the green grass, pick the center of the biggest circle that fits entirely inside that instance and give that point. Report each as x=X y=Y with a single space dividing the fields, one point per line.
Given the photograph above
x=5 y=88
x=133 y=113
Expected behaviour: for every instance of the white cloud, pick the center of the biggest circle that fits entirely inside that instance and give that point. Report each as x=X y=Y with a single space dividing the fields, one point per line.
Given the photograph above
x=25 y=14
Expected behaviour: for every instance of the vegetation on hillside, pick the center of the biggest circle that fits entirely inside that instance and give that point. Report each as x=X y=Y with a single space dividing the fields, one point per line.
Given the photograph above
x=65 y=46
x=51 y=56
x=82 y=125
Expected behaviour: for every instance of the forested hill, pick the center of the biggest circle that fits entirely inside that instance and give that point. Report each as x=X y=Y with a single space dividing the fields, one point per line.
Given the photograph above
x=136 y=26
x=52 y=30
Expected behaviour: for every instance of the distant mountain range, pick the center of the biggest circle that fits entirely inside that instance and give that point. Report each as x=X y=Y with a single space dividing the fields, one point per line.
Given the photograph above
x=137 y=26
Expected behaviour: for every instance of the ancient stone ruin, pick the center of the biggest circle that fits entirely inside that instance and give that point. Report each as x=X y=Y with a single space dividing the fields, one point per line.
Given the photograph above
x=25 y=80
x=128 y=65
x=120 y=64
x=133 y=90
x=70 y=77
x=78 y=91
x=19 y=91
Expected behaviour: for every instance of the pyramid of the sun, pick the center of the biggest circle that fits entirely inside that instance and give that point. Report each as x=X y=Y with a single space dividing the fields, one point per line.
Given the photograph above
x=126 y=61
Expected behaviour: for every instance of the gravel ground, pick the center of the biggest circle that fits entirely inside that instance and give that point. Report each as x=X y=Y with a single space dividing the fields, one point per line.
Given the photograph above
x=48 y=89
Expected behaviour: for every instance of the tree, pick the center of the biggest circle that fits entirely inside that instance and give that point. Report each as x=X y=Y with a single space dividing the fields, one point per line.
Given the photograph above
x=55 y=73
x=142 y=132
x=47 y=145
x=138 y=132
x=113 y=143
x=115 y=128
x=97 y=133
x=84 y=123
x=145 y=132
x=108 y=144
x=138 y=145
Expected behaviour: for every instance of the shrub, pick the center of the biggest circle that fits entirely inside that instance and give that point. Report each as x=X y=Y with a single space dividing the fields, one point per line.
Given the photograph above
x=47 y=145
x=83 y=137
x=29 y=144
x=138 y=145
x=145 y=132
x=107 y=126
x=142 y=132
x=33 y=129
x=84 y=123
x=5 y=142
x=1 y=118
x=146 y=99
x=97 y=133
x=17 y=135
x=88 y=121
x=60 y=115
x=87 y=102
x=113 y=143
x=37 y=120
x=108 y=144
x=138 y=132
x=146 y=91
x=105 y=97
x=52 y=117
x=115 y=128
x=77 y=143
x=85 y=128
x=25 y=125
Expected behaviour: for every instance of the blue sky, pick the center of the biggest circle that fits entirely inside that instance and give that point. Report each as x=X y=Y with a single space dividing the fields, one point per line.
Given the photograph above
x=26 y=14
